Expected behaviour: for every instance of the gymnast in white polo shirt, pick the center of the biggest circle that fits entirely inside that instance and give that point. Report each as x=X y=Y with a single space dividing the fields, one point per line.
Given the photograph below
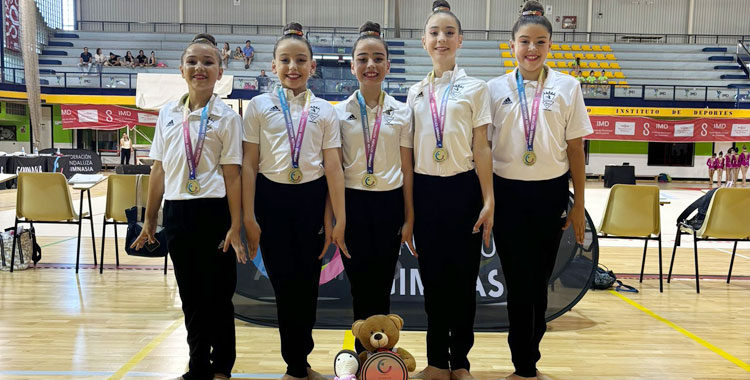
x=538 y=121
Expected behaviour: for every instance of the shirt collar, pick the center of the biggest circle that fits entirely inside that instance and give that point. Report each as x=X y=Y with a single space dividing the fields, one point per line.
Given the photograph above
x=353 y=102
x=446 y=77
x=213 y=109
x=549 y=80
x=291 y=97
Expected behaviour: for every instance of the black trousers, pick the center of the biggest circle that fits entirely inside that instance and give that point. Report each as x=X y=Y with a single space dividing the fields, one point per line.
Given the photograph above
x=124 y=156
x=528 y=227
x=373 y=236
x=206 y=278
x=291 y=221
x=446 y=209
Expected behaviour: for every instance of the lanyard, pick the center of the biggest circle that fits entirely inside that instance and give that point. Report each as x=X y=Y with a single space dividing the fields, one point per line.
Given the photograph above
x=194 y=157
x=295 y=142
x=371 y=141
x=530 y=122
x=438 y=120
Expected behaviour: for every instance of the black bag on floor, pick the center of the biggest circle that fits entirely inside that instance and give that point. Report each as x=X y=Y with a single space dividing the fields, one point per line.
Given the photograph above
x=603 y=278
x=135 y=216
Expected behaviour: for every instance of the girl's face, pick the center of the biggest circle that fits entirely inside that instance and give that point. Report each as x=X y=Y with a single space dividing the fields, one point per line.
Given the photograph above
x=200 y=68
x=140 y=52
x=226 y=45
x=441 y=38
x=370 y=63
x=293 y=64
x=530 y=47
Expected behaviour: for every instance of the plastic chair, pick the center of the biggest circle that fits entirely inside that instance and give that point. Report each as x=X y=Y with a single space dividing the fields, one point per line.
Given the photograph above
x=586 y=47
x=632 y=212
x=508 y=63
x=601 y=57
x=576 y=47
x=604 y=65
x=611 y=57
x=614 y=65
x=596 y=48
x=590 y=56
x=555 y=47
x=559 y=56
x=619 y=75
x=569 y=56
x=504 y=46
x=120 y=197
x=606 y=48
x=506 y=54
x=724 y=222
x=45 y=198
x=552 y=64
x=565 y=47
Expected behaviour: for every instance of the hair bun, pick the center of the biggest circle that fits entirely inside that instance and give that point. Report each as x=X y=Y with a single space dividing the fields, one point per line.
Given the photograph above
x=440 y=5
x=370 y=28
x=532 y=8
x=204 y=37
x=294 y=28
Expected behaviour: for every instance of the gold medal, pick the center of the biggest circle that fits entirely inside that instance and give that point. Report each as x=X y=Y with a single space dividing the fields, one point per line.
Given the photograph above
x=369 y=180
x=193 y=187
x=440 y=154
x=529 y=158
x=295 y=175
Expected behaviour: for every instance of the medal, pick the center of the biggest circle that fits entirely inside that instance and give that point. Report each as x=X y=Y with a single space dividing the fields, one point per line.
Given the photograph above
x=193 y=187
x=295 y=141
x=371 y=141
x=440 y=154
x=438 y=120
x=369 y=180
x=193 y=157
x=530 y=121
x=295 y=175
x=529 y=158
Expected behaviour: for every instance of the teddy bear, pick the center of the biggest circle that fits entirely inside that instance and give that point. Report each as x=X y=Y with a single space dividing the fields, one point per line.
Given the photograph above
x=380 y=333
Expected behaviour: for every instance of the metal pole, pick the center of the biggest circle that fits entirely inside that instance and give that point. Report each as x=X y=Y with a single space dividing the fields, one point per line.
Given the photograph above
x=386 y=5
x=396 y=19
x=691 y=16
x=283 y=13
x=487 y=9
x=589 y=19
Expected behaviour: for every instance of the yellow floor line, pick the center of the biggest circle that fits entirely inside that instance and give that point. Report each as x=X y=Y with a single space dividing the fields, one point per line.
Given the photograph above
x=145 y=351
x=348 y=341
x=688 y=334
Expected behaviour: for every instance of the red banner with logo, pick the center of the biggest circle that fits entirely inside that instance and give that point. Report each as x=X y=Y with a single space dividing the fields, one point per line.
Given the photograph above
x=12 y=19
x=108 y=117
x=647 y=129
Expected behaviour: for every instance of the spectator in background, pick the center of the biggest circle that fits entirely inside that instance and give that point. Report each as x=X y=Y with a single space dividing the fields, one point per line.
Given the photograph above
x=238 y=55
x=125 y=148
x=129 y=59
x=576 y=64
x=591 y=83
x=86 y=61
x=99 y=59
x=114 y=60
x=603 y=82
x=141 y=58
x=263 y=81
x=151 y=60
x=226 y=54
x=249 y=52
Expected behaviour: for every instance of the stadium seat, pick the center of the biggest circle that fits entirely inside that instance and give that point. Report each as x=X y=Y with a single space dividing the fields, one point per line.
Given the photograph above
x=579 y=55
x=566 y=72
x=506 y=54
x=508 y=71
x=508 y=63
x=611 y=57
x=594 y=65
x=606 y=48
x=590 y=56
x=566 y=47
x=552 y=64
x=584 y=65
x=610 y=74
x=559 y=56
x=586 y=47
x=604 y=65
x=504 y=46
x=619 y=75
x=623 y=83
x=569 y=56
x=601 y=56
x=549 y=56
x=555 y=47
x=576 y=47
x=614 y=65
x=597 y=48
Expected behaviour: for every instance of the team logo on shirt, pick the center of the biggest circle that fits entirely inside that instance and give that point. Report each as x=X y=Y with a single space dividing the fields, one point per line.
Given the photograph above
x=507 y=101
x=171 y=123
x=420 y=95
x=351 y=117
x=457 y=90
x=314 y=114
x=548 y=99
x=388 y=115
x=274 y=109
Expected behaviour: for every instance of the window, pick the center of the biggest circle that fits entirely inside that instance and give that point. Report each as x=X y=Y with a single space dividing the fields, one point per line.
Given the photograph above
x=670 y=154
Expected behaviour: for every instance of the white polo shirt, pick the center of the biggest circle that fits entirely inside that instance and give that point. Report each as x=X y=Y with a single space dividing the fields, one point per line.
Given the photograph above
x=395 y=132
x=264 y=125
x=222 y=146
x=562 y=117
x=468 y=108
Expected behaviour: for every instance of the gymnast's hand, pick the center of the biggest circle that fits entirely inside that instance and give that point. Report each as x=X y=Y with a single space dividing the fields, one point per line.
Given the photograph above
x=577 y=217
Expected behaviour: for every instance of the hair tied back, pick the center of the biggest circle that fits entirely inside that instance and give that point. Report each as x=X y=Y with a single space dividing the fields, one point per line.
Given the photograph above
x=370 y=33
x=294 y=31
x=532 y=13
x=442 y=8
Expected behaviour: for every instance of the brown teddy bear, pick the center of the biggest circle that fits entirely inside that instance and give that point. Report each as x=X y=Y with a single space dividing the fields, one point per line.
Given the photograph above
x=380 y=333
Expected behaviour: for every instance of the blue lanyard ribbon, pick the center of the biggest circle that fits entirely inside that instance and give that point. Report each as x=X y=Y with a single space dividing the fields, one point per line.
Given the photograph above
x=530 y=122
x=438 y=120
x=371 y=141
x=295 y=142
x=193 y=158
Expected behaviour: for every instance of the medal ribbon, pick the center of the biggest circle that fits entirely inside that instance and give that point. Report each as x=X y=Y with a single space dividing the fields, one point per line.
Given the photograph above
x=295 y=142
x=371 y=141
x=438 y=120
x=529 y=122
x=193 y=158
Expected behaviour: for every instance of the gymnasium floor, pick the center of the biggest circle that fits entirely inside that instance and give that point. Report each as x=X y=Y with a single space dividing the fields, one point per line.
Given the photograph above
x=126 y=323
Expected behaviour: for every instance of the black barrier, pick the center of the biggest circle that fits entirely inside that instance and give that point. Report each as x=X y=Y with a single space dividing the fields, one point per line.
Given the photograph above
x=81 y=161
x=571 y=278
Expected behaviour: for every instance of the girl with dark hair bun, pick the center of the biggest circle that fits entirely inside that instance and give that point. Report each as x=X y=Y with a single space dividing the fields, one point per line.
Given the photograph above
x=377 y=140
x=291 y=165
x=539 y=120
x=197 y=155
x=453 y=199
x=744 y=164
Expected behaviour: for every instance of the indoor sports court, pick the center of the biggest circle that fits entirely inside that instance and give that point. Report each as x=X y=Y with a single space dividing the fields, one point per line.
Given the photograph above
x=666 y=85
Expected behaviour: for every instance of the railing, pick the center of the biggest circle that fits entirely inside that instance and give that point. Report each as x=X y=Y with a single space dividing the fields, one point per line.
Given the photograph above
x=743 y=55
x=498 y=35
x=345 y=86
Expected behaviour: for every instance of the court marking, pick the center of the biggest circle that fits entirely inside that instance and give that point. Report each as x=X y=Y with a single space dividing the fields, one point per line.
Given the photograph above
x=730 y=253
x=59 y=241
x=695 y=338
x=146 y=350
